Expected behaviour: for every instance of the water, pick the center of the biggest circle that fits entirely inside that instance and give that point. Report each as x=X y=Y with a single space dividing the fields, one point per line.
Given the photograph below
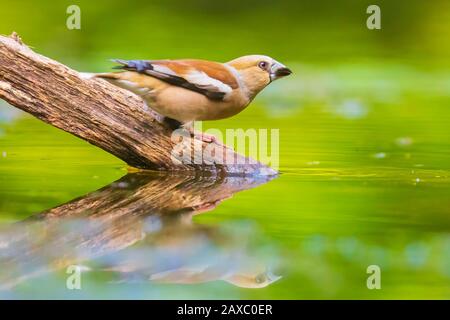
x=361 y=184
x=364 y=160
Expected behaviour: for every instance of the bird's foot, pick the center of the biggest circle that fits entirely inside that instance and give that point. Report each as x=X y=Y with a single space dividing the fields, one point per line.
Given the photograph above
x=208 y=206
x=208 y=138
x=204 y=207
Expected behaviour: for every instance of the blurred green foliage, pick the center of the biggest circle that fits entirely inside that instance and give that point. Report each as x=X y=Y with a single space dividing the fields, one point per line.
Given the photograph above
x=307 y=31
x=364 y=135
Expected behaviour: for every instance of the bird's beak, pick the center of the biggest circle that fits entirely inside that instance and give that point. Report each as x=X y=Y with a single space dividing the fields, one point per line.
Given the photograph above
x=278 y=71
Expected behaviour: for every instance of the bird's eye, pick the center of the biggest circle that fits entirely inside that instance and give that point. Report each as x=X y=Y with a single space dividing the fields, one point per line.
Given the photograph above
x=263 y=65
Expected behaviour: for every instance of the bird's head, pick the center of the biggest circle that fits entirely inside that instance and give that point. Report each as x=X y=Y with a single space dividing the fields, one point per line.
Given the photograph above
x=257 y=71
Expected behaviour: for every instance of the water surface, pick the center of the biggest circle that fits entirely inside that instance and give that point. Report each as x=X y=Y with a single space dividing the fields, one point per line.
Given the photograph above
x=364 y=160
x=358 y=187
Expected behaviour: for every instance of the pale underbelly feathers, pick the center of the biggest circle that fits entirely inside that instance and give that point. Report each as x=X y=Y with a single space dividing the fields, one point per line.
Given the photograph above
x=185 y=105
x=179 y=103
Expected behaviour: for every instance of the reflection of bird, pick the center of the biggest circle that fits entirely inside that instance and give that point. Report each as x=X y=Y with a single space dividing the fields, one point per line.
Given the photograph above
x=180 y=252
x=251 y=279
x=186 y=90
x=190 y=259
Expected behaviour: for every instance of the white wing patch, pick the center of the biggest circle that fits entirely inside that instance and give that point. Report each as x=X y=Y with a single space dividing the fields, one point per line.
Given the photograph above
x=163 y=69
x=202 y=80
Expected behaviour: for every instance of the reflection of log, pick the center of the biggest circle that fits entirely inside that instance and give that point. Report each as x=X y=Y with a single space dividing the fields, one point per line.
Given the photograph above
x=106 y=116
x=154 y=210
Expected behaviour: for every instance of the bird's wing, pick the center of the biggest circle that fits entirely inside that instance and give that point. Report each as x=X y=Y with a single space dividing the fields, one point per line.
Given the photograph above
x=211 y=79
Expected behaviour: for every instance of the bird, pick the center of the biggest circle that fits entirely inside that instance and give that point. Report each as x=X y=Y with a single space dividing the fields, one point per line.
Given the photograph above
x=186 y=90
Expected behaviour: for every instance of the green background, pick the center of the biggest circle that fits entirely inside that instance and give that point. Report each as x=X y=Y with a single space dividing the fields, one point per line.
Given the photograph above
x=364 y=138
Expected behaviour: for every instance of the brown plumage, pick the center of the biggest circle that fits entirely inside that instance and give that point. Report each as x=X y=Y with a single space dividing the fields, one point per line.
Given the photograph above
x=187 y=90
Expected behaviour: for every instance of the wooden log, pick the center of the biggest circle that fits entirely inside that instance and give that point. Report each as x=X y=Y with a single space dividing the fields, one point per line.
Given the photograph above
x=104 y=115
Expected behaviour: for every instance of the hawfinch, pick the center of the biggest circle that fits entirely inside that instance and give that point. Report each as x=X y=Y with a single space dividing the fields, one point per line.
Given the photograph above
x=187 y=90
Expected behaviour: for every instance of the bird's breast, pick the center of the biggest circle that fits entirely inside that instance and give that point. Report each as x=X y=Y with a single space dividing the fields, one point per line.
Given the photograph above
x=186 y=105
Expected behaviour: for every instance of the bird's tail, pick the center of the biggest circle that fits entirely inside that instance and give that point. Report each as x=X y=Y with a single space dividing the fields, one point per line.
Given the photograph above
x=124 y=65
x=132 y=65
x=122 y=78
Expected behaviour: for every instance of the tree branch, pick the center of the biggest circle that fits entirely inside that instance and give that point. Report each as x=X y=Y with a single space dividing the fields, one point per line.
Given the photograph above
x=104 y=115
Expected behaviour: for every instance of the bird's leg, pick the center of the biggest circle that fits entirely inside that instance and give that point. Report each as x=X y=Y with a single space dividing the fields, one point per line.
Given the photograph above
x=175 y=124
x=205 y=207
x=208 y=138
x=172 y=123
